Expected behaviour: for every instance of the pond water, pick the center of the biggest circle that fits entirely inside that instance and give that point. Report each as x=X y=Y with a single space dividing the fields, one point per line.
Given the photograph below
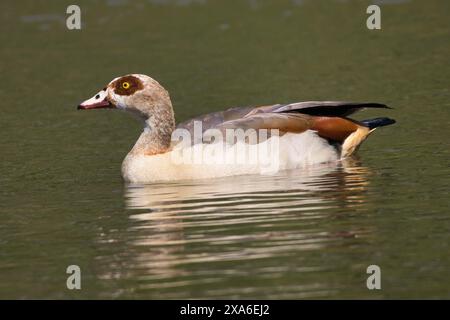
x=298 y=234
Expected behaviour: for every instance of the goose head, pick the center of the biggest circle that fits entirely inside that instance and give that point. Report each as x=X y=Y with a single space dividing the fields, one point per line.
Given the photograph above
x=136 y=93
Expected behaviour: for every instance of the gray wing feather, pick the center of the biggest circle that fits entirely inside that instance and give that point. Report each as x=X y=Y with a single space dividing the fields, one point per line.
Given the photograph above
x=311 y=108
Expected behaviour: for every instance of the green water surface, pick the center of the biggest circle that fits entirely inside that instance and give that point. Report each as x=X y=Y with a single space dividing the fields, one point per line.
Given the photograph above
x=298 y=234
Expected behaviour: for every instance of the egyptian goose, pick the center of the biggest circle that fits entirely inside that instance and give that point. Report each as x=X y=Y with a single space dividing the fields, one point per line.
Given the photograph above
x=294 y=135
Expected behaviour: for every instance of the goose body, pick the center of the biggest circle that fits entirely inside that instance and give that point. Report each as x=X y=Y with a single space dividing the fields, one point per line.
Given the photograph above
x=293 y=151
x=237 y=141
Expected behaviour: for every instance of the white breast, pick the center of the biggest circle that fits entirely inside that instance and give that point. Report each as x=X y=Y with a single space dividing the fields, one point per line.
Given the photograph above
x=218 y=160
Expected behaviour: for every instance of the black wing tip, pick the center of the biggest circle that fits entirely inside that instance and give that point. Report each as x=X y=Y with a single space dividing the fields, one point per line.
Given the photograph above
x=378 y=122
x=330 y=108
x=375 y=105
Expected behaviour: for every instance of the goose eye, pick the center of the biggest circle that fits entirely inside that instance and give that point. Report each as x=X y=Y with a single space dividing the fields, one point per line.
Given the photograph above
x=126 y=85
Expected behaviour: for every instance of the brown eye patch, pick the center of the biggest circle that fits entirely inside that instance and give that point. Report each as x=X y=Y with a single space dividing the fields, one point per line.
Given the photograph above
x=127 y=85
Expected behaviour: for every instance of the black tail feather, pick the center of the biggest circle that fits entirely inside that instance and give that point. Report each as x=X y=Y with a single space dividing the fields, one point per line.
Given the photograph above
x=377 y=122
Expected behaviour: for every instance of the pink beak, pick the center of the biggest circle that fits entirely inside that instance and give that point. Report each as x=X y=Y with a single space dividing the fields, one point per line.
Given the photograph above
x=99 y=101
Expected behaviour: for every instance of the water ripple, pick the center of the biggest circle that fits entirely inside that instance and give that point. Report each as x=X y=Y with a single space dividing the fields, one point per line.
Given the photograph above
x=185 y=234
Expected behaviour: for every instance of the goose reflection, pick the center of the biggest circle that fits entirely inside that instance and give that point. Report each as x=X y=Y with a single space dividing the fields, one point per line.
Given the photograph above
x=180 y=228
